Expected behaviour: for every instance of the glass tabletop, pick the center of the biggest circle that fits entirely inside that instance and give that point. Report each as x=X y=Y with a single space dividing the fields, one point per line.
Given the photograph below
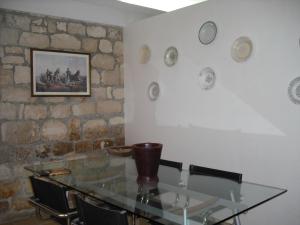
x=178 y=197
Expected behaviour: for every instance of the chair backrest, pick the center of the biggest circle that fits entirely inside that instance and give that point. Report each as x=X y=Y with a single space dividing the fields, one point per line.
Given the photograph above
x=177 y=165
x=200 y=170
x=167 y=174
x=50 y=194
x=203 y=179
x=94 y=214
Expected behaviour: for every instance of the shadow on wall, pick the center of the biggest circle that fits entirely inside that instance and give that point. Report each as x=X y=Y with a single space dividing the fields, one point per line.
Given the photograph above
x=222 y=110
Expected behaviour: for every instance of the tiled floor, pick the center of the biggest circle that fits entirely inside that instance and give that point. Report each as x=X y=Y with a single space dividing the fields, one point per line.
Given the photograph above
x=33 y=221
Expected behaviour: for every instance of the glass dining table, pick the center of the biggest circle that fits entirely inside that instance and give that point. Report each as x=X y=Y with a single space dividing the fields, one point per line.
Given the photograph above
x=177 y=198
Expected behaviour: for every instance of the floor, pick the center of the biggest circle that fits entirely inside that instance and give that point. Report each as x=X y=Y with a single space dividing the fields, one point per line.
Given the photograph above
x=33 y=221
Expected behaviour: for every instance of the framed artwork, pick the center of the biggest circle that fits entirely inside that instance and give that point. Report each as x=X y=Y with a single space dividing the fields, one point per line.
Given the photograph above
x=60 y=73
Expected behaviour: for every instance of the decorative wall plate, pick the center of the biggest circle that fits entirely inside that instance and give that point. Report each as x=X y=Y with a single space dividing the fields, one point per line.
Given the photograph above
x=153 y=91
x=207 y=32
x=241 y=49
x=207 y=78
x=171 y=56
x=144 y=54
x=294 y=90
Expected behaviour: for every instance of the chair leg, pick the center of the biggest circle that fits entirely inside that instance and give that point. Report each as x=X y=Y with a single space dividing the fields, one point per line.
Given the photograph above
x=133 y=219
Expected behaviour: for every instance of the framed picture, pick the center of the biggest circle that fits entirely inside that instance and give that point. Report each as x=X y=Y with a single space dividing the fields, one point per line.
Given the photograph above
x=60 y=73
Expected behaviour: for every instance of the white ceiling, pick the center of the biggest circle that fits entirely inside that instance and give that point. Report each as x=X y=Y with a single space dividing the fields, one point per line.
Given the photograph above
x=110 y=12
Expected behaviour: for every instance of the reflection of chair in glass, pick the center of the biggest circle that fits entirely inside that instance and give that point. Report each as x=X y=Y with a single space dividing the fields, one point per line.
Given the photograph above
x=166 y=172
x=51 y=198
x=93 y=213
x=204 y=180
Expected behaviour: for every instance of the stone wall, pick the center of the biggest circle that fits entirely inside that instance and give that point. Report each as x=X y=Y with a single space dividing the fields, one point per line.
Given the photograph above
x=50 y=128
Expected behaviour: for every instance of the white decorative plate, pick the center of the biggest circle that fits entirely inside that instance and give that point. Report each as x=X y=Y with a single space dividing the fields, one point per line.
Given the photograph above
x=171 y=56
x=241 y=49
x=207 y=32
x=153 y=91
x=144 y=54
x=207 y=78
x=294 y=90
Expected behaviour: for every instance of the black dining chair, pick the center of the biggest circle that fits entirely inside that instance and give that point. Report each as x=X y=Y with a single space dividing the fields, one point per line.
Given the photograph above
x=94 y=213
x=167 y=175
x=202 y=179
x=166 y=172
x=51 y=198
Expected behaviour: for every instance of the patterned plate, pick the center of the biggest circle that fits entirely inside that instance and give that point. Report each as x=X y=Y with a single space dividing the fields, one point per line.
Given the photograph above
x=294 y=90
x=171 y=56
x=207 y=32
x=144 y=54
x=207 y=78
x=241 y=49
x=153 y=91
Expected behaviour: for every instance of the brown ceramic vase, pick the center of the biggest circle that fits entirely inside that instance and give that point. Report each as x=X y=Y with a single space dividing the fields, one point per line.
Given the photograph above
x=147 y=157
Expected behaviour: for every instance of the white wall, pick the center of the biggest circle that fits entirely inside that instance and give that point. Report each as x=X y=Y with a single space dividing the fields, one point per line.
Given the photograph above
x=99 y=11
x=246 y=123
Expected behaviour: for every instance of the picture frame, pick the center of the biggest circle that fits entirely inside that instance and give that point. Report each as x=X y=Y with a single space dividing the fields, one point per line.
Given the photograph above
x=60 y=73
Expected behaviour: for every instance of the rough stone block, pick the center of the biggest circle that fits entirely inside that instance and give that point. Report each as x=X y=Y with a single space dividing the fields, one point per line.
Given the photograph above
x=54 y=130
x=122 y=75
x=106 y=107
x=116 y=121
x=54 y=99
x=1 y=51
x=120 y=140
x=111 y=78
x=95 y=77
x=38 y=29
x=8 y=111
x=4 y=207
x=118 y=48
x=18 y=21
x=65 y=41
x=51 y=26
x=6 y=154
x=76 y=28
x=89 y=44
x=20 y=132
x=13 y=50
x=102 y=143
x=96 y=31
x=11 y=59
x=9 y=188
x=37 y=22
x=34 y=40
x=118 y=93
x=6 y=78
x=93 y=129
x=16 y=95
x=27 y=55
x=22 y=75
x=62 y=148
x=105 y=46
x=83 y=146
x=23 y=154
x=86 y=108
x=60 y=111
x=74 y=129
x=19 y=204
x=61 y=26
x=109 y=92
x=5 y=172
x=114 y=33
x=35 y=112
x=99 y=93
x=103 y=61
x=117 y=131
